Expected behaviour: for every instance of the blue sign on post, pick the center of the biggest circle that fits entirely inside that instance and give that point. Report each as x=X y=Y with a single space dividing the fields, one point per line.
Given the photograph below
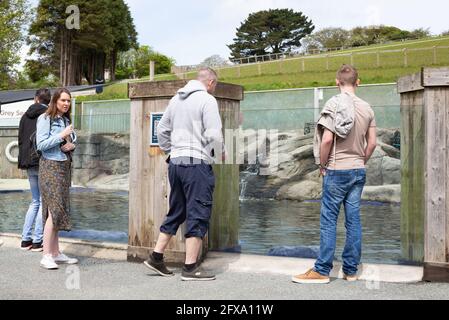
x=155 y=117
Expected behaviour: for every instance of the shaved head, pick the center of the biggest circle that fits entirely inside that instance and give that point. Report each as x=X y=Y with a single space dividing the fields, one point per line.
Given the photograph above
x=209 y=78
x=206 y=74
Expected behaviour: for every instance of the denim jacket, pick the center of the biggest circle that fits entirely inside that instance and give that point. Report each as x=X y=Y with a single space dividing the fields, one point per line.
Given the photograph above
x=48 y=139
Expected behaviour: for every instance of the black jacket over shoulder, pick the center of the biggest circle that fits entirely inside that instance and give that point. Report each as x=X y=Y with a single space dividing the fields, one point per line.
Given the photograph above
x=27 y=127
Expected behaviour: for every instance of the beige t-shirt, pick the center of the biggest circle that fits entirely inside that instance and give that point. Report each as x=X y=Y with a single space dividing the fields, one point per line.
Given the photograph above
x=350 y=152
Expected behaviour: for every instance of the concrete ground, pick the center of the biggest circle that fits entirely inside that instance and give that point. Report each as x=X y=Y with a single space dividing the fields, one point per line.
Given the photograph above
x=94 y=278
x=103 y=273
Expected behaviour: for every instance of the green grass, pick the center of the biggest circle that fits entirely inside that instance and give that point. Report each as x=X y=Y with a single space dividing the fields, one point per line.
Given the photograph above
x=319 y=70
x=110 y=92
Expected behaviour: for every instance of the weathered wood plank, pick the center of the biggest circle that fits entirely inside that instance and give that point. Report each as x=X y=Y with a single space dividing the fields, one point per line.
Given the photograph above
x=157 y=89
x=447 y=172
x=447 y=180
x=135 y=187
x=436 y=164
x=436 y=77
x=167 y=89
x=436 y=272
x=225 y=211
x=410 y=83
x=149 y=227
x=412 y=171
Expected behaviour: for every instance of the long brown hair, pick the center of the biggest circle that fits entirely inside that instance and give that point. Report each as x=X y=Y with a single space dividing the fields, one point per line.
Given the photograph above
x=52 y=110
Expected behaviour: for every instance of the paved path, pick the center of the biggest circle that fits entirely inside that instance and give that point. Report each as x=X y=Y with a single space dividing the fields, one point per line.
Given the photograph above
x=22 y=278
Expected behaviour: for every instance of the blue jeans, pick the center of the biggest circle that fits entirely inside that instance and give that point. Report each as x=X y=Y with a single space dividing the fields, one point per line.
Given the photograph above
x=34 y=214
x=341 y=187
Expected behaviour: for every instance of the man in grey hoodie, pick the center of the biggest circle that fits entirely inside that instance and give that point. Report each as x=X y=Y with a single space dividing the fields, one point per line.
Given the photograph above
x=190 y=131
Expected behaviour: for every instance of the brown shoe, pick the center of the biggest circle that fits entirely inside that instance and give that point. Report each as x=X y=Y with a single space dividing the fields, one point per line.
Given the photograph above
x=354 y=277
x=311 y=276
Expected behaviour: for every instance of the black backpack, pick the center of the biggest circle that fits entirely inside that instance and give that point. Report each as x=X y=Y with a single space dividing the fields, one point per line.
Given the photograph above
x=35 y=154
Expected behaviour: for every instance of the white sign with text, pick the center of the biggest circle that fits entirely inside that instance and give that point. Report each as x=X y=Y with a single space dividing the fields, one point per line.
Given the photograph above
x=10 y=114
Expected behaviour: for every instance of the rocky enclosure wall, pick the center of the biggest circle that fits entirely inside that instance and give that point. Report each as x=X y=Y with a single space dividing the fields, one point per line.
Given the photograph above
x=102 y=161
x=100 y=155
x=296 y=177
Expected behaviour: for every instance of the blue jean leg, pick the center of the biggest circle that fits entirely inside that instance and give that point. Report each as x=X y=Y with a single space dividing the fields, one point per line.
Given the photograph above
x=334 y=193
x=352 y=252
x=34 y=213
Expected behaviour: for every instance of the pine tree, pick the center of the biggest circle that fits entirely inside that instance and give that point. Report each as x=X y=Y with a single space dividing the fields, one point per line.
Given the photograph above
x=270 y=31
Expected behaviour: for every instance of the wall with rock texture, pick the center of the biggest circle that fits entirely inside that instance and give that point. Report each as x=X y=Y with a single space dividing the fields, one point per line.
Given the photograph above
x=101 y=161
x=296 y=177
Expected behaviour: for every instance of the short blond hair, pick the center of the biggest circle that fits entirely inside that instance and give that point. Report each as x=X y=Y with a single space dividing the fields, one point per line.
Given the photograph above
x=347 y=75
x=205 y=74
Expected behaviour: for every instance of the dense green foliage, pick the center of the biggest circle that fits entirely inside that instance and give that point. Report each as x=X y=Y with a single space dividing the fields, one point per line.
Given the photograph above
x=105 y=29
x=135 y=63
x=270 y=31
x=13 y=15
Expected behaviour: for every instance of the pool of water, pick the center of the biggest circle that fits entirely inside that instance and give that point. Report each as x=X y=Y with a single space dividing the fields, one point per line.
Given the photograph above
x=96 y=215
x=268 y=227
x=292 y=227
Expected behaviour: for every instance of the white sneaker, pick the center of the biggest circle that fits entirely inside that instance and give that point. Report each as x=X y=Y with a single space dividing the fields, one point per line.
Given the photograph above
x=62 y=258
x=48 y=262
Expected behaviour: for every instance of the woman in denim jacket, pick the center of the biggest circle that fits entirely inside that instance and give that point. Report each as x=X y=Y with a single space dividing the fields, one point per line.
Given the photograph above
x=55 y=140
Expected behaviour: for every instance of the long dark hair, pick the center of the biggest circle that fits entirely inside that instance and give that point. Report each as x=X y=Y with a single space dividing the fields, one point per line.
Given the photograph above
x=52 y=110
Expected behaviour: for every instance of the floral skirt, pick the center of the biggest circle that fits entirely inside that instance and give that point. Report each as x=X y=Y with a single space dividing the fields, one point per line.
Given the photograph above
x=54 y=184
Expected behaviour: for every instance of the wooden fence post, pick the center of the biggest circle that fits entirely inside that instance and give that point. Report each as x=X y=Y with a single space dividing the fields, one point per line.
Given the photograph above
x=435 y=55
x=405 y=58
x=425 y=170
x=149 y=188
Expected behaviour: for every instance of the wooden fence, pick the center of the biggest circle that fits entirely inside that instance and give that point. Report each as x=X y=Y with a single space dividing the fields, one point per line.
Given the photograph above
x=425 y=169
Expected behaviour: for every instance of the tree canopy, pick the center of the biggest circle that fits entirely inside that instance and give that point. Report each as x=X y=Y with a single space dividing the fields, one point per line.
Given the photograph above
x=13 y=15
x=332 y=38
x=270 y=31
x=105 y=28
x=135 y=63
x=214 y=61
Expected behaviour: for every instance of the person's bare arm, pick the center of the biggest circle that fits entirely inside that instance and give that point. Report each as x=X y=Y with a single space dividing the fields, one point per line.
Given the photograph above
x=325 y=148
x=371 y=138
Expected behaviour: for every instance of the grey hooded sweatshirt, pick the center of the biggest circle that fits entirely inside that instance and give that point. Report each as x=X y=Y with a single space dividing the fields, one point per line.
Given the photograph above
x=338 y=116
x=191 y=125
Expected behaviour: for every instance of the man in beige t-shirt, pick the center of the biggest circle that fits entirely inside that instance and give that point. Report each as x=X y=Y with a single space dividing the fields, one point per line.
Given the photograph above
x=350 y=152
x=342 y=163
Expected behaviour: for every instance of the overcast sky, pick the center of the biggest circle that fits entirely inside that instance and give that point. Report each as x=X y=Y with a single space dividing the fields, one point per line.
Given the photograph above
x=192 y=30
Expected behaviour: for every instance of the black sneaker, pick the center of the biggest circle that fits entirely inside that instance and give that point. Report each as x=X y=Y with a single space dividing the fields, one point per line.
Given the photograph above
x=37 y=247
x=158 y=266
x=26 y=245
x=196 y=274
